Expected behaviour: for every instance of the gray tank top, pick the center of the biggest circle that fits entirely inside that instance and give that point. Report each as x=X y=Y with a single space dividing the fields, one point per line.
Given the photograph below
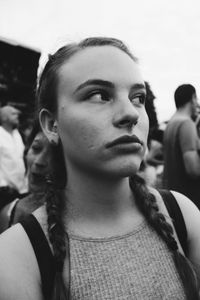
x=134 y=266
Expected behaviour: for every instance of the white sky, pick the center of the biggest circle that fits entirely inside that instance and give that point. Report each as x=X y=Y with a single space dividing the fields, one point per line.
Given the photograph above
x=163 y=34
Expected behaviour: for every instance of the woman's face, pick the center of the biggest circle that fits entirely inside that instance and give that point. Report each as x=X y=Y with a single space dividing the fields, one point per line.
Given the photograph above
x=101 y=115
x=38 y=163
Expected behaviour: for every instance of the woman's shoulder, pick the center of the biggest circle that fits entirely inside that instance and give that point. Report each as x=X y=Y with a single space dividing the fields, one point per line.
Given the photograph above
x=189 y=210
x=191 y=215
x=19 y=272
x=164 y=210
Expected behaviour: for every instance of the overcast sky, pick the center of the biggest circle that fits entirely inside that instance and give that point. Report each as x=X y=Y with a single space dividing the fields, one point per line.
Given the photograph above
x=163 y=34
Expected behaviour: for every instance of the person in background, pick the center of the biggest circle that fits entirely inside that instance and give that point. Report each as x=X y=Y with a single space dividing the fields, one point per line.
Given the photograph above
x=152 y=166
x=37 y=168
x=103 y=233
x=181 y=146
x=13 y=181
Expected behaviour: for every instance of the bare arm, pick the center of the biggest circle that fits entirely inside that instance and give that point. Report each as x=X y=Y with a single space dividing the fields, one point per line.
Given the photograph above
x=191 y=216
x=192 y=163
x=189 y=143
x=19 y=273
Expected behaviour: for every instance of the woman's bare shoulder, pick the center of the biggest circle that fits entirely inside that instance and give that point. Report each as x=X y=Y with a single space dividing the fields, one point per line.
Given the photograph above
x=164 y=211
x=19 y=272
x=191 y=215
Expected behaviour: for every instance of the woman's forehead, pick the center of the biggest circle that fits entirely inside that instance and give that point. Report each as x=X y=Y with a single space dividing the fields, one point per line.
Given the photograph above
x=103 y=62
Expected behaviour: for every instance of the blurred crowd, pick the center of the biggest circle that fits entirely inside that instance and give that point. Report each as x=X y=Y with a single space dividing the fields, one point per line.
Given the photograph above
x=172 y=160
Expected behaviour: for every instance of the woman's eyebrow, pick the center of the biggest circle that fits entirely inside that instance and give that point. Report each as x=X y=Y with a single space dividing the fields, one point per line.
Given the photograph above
x=101 y=82
x=138 y=86
x=107 y=84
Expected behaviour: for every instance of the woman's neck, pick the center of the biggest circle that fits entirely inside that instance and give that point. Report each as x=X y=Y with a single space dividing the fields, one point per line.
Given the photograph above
x=99 y=204
x=96 y=190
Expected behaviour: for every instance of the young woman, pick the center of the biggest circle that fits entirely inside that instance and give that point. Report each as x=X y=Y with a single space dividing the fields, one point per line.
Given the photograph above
x=37 y=161
x=103 y=234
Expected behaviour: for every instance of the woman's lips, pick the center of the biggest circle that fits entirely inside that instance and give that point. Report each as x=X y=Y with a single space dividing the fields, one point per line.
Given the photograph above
x=38 y=177
x=125 y=140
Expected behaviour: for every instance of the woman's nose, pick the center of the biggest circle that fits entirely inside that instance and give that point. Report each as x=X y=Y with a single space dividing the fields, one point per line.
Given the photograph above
x=40 y=161
x=126 y=114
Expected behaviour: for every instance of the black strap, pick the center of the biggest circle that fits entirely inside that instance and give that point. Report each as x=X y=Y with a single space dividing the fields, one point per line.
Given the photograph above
x=177 y=218
x=42 y=252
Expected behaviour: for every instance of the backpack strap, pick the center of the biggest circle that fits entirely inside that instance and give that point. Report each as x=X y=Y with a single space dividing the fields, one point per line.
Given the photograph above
x=177 y=218
x=43 y=253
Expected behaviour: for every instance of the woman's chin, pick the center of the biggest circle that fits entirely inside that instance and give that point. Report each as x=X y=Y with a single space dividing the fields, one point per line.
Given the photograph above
x=127 y=169
x=35 y=188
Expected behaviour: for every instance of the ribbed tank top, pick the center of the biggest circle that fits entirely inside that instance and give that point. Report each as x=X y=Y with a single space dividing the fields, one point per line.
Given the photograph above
x=137 y=265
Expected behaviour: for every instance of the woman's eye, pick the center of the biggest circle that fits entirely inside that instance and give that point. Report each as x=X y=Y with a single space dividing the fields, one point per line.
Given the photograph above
x=99 y=96
x=139 y=99
x=36 y=148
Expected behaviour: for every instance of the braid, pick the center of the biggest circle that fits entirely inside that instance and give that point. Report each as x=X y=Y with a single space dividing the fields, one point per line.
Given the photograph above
x=146 y=202
x=57 y=238
x=56 y=229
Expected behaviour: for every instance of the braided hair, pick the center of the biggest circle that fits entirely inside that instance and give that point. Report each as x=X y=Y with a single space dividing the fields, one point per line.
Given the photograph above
x=47 y=96
x=56 y=230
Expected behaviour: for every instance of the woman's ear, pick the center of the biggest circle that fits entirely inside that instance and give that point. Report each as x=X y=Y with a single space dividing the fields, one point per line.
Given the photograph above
x=49 y=126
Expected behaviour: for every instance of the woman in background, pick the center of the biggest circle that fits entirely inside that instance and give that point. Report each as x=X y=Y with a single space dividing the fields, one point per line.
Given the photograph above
x=103 y=234
x=37 y=166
